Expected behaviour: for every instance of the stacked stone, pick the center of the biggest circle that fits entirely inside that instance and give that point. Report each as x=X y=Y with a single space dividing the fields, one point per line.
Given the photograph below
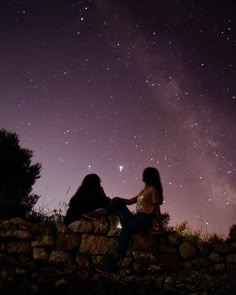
x=91 y=242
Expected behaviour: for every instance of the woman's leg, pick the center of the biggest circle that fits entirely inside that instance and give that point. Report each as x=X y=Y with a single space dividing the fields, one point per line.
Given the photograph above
x=135 y=224
x=114 y=208
x=138 y=223
x=122 y=211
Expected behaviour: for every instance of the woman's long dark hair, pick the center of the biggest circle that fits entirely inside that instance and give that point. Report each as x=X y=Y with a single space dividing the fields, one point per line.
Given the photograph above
x=151 y=176
x=89 y=185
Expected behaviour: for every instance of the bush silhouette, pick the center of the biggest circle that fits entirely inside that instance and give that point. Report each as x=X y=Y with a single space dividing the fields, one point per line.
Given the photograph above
x=17 y=176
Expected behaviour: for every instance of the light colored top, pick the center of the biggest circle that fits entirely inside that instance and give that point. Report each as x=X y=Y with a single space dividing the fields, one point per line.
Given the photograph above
x=147 y=200
x=139 y=203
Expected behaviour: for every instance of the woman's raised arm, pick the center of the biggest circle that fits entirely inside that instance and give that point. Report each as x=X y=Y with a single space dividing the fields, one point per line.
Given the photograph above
x=125 y=201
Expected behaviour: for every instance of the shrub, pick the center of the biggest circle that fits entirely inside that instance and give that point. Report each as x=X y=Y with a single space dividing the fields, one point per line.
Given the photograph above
x=165 y=219
x=17 y=176
x=198 y=236
x=232 y=232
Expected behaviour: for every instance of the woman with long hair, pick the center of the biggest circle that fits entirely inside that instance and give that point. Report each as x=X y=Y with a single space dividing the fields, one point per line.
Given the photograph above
x=148 y=201
x=90 y=196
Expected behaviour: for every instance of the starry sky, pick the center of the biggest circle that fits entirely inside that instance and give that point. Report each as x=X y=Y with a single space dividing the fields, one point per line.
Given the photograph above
x=112 y=87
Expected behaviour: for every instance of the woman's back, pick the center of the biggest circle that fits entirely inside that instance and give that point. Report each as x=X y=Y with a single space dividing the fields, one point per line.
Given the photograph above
x=85 y=202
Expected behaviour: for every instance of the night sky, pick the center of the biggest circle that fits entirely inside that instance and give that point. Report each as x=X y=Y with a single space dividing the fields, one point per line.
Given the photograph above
x=112 y=87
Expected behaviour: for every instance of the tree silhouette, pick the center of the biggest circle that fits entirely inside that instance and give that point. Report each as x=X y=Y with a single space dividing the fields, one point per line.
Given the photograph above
x=17 y=176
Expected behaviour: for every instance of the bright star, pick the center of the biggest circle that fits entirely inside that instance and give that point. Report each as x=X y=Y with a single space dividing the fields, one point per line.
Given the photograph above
x=121 y=168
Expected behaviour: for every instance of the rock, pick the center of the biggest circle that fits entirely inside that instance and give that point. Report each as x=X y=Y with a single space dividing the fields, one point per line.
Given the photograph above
x=60 y=283
x=16 y=233
x=97 y=245
x=101 y=227
x=114 y=231
x=232 y=247
x=82 y=226
x=61 y=227
x=83 y=261
x=18 y=247
x=167 y=249
x=141 y=242
x=60 y=257
x=221 y=248
x=214 y=257
x=68 y=242
x=145 y=258
x=231 y=258
x=40 y=253
x=44 y=241
x=187 y=250
x=170 y=262
x=219 y=267
x=174 y=238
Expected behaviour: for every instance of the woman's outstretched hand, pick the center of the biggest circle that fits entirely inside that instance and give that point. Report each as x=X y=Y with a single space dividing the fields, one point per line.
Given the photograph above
x=124 y=201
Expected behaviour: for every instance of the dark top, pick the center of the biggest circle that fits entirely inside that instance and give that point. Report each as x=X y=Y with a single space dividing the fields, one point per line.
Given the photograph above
x=82 y=204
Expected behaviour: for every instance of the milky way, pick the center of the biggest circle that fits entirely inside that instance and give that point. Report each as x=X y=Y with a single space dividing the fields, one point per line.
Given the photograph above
x=111 y=87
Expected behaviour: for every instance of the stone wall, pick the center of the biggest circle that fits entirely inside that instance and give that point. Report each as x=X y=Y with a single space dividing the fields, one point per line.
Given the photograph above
x=91 y=242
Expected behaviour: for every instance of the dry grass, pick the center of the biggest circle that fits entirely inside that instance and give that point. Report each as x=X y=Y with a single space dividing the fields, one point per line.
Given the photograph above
x=44 y=214
x=198 y=235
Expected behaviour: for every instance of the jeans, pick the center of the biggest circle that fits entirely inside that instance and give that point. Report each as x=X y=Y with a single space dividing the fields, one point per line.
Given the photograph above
x=131 y=224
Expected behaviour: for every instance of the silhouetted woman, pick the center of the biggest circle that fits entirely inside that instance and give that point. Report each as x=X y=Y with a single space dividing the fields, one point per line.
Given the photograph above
x=148 y=207
x=90 y=196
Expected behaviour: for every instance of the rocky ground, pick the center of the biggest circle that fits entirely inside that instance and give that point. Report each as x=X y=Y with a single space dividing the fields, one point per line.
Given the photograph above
x=44 y=279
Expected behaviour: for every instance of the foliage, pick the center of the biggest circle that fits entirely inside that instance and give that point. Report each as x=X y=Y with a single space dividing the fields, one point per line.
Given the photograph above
x=38 y=216
x=232 y=231
x=165 y=219
x=44 y=214
x=215 y=239
x=184 y=230
x=182 y=227
x=17 y=176
x=198 y=236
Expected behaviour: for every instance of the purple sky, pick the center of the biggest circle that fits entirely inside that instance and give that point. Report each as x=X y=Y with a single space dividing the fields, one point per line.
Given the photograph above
x=111 y=87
